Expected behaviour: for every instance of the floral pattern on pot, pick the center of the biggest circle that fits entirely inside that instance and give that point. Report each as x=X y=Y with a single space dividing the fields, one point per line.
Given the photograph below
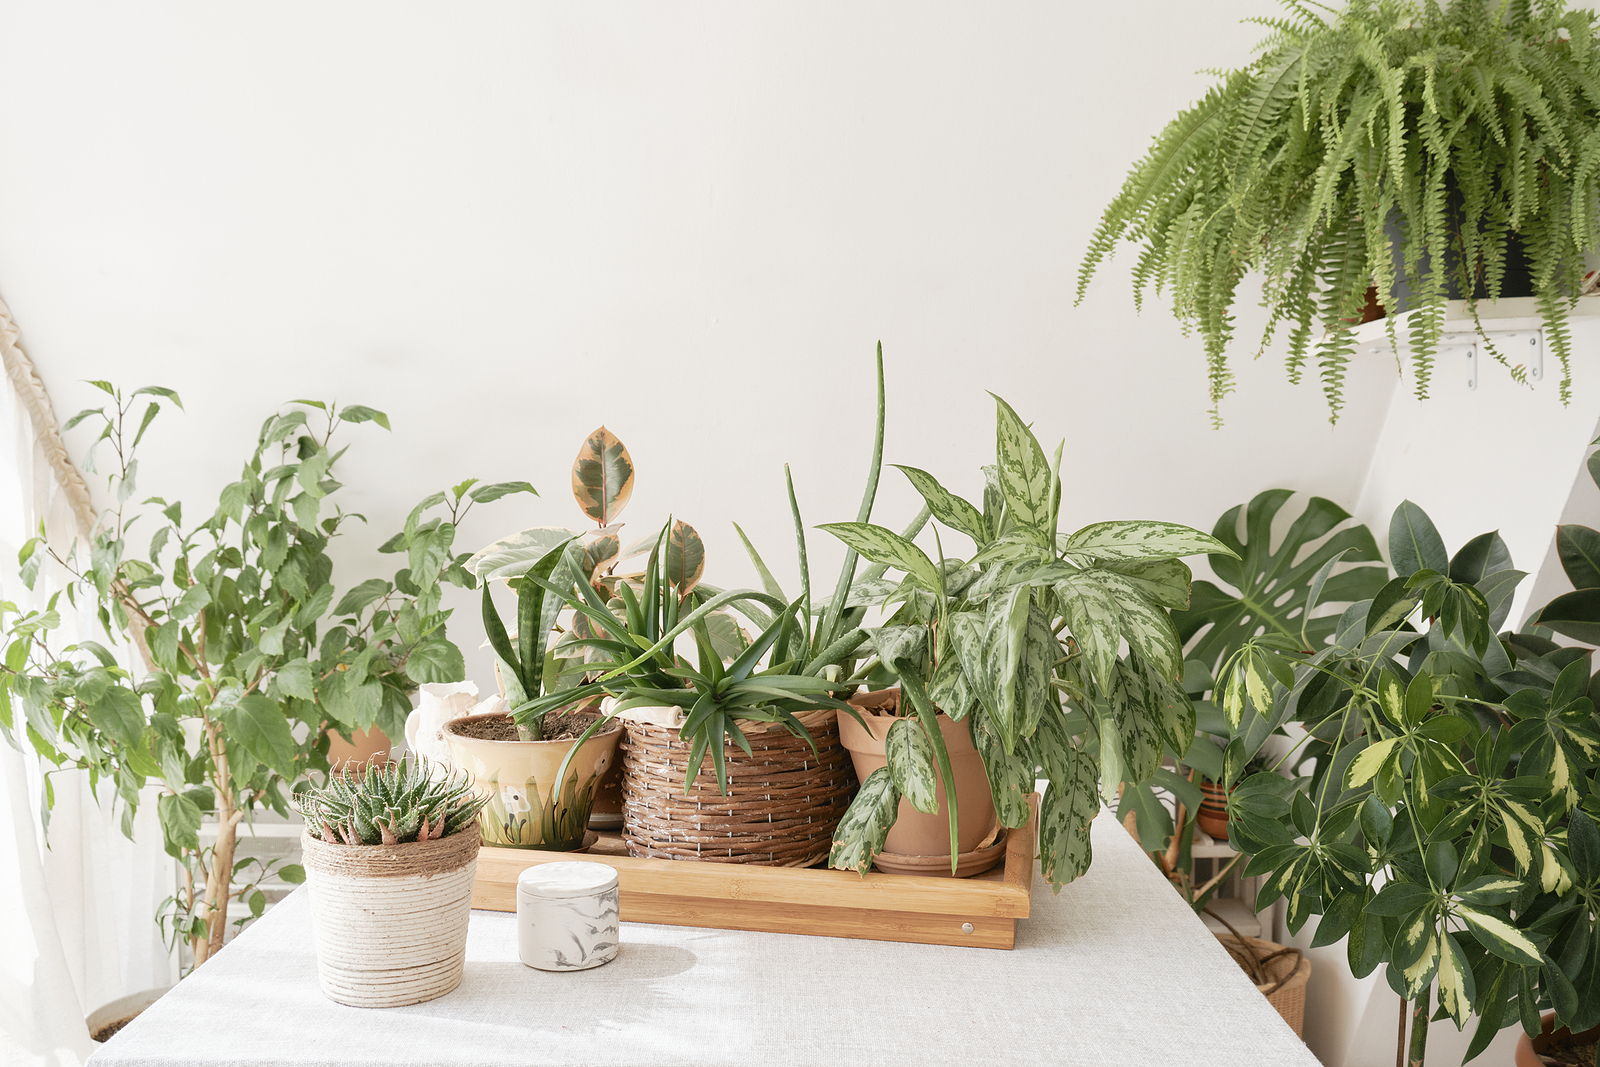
x=517 y=779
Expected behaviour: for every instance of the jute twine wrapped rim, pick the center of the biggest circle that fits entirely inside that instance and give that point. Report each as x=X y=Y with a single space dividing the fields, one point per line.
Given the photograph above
x=392 y=861
x=782 y=807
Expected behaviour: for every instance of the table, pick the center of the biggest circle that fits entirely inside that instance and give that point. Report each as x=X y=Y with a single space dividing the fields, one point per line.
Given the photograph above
x=1116 y=969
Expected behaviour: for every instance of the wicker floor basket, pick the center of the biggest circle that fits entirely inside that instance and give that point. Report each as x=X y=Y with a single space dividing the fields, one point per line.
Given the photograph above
x=782 y=806
x=1286 y=971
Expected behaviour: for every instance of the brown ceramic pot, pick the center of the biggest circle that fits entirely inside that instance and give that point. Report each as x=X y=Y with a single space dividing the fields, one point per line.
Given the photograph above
x=1213 y=813
x=917 y=833
x=1528 y=1048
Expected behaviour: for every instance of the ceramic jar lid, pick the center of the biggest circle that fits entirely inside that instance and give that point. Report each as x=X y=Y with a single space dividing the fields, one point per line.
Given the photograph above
x=561 y=880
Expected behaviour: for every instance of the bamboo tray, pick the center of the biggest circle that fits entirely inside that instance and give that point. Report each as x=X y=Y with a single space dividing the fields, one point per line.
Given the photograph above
x=979 y=912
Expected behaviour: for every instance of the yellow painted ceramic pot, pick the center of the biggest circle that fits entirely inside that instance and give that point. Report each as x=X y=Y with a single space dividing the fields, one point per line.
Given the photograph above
x=517 y=776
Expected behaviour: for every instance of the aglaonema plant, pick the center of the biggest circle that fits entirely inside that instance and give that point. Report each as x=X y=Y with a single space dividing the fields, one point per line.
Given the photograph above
x=248 y=657
x=1446 y=826
x=998 y=639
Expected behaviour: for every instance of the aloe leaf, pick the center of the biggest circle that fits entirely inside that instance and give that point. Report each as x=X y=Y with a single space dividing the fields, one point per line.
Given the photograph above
x=768 y=582
x=847 y=571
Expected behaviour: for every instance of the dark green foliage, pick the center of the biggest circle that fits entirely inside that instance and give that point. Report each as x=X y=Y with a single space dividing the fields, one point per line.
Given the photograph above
x=1453 y=125
x=408 y=800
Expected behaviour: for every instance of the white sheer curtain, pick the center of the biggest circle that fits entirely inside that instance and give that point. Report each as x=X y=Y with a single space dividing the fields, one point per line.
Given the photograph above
x=80 y=903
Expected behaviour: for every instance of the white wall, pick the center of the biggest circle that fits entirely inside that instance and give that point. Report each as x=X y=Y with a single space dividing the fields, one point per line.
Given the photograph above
x=507 y=223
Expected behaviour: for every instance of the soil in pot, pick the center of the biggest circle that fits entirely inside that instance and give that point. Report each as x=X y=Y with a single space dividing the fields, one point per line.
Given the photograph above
x=1557 y=1047
x=105 y=1021
x=517 y=777
x=917 y=833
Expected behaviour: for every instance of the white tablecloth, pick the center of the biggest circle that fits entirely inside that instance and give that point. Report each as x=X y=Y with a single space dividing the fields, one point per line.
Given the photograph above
x=1114 y=970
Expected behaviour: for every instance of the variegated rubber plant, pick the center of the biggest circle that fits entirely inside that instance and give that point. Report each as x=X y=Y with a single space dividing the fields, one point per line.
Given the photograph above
x=621 y=628
x=1000 y=638
x=1444 y=820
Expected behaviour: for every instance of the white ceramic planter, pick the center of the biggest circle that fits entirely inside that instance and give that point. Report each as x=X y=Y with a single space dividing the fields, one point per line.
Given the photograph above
x=390 y=921
x=567 y=916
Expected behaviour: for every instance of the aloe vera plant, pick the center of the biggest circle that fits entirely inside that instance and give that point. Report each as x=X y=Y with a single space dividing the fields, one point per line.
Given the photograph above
x=999 y=638
x=391 y=804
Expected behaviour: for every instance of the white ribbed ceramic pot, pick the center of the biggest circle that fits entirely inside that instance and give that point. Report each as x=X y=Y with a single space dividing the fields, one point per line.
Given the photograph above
x=390 y=921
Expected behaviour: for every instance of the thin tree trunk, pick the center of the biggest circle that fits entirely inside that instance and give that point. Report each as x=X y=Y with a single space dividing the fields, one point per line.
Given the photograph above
x=1419 y=1027
x=1400 y=1040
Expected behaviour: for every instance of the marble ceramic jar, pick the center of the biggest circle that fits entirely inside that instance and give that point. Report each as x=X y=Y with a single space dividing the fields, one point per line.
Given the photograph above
x=567 y=916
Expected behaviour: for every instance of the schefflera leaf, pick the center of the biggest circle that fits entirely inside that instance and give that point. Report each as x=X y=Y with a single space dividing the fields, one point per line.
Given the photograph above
x=602 y=477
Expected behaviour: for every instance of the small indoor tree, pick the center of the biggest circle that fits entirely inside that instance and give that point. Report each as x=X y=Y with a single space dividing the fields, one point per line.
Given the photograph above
x=247 y=657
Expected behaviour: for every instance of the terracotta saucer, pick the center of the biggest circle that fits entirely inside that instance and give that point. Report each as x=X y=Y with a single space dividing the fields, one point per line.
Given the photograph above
x=967 y=864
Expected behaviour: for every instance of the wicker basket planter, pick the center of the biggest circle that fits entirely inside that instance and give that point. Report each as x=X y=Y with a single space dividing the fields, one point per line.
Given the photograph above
x=1285 y=972
x=390 y=921
x=783 y=801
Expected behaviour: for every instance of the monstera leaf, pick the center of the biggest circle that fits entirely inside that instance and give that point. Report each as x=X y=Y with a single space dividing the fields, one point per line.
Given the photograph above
x=1270 y=584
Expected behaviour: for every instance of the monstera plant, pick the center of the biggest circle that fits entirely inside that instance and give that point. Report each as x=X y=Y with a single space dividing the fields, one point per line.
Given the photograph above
x=250 y=656
x=1438 y=811
x=998 y=639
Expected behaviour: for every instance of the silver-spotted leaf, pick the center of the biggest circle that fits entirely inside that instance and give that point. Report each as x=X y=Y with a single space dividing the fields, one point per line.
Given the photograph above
x=948 y=508
x=1139 y=539
x=1024 y=470
x=911 y=764
x=866 y=823
x=885 y=546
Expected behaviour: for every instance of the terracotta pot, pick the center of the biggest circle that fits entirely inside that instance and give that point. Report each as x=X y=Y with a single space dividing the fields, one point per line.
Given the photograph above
x=917 y=833
x=1528 y=1048
x=390 y=921
x=364 y=746
x=1213 y=813
x=517 y=776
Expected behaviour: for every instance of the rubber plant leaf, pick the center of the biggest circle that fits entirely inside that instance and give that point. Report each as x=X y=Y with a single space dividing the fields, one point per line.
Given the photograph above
x=602 y=477
x=686 y=558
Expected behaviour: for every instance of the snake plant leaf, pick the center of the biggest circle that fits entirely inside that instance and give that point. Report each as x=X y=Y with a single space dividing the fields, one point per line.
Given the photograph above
x=686 y=558
x=1269 y=585
x=910 y=759
x=1414 y=542
x=1024 y=470
x=886 y=546
x=948 y=508
x=1139 y=539
x=602 y=477
x=510 y=557
x=865 y=824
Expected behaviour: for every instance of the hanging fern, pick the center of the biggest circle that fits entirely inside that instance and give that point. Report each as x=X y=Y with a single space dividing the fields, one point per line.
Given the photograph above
x=1453 y=126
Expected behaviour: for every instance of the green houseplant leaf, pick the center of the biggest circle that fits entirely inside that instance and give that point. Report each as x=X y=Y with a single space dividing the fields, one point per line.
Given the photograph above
x=1271 y=583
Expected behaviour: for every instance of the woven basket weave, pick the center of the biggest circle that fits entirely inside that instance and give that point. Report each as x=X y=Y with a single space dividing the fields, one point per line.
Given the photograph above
x=783 y=801
x=1288 y=971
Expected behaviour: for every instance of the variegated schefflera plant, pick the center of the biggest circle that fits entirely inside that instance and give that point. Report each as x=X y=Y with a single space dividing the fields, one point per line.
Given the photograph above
x=391 y=804
x=1446 y=824
x=1021 y=640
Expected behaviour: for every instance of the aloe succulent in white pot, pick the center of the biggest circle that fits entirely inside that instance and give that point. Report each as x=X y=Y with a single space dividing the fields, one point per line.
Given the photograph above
x=390 y=859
